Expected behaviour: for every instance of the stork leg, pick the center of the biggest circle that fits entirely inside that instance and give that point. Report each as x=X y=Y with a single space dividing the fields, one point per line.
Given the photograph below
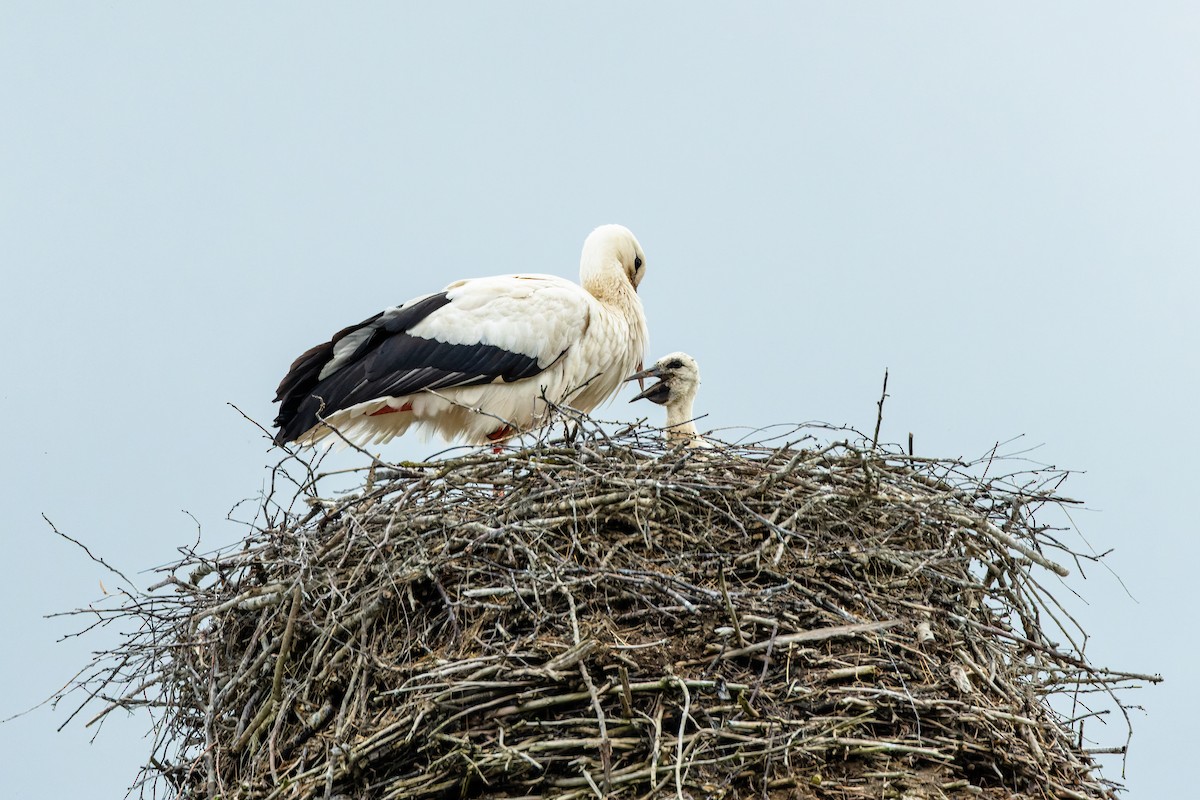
x=390 y=410
x=499 y=435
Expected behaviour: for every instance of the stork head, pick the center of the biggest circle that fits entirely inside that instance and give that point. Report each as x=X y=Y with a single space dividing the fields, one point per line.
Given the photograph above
x=611 y=253
x=679 y=378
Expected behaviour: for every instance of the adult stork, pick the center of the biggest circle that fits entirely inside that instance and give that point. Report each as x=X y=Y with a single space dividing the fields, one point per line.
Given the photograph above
x=479 y=360
x=679 y=379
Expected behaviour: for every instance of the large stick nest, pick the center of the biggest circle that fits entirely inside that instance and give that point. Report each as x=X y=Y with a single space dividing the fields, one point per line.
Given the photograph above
x=609 y=617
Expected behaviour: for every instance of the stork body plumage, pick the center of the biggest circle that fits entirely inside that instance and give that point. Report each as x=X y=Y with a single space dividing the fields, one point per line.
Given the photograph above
x=679 y=380
x=474 y=361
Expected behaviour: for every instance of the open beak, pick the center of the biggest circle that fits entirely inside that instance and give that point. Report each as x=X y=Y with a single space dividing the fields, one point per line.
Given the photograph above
x=657 y=393
x=640 y=377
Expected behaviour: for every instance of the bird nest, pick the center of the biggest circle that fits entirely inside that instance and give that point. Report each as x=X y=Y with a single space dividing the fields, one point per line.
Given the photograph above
x=609 y=617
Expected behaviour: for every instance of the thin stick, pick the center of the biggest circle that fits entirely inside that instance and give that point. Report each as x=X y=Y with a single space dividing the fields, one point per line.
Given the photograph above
x=879 y=416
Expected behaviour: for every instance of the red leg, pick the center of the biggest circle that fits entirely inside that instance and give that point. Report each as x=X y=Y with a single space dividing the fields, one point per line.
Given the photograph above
x=503 y=432
x=390 y=410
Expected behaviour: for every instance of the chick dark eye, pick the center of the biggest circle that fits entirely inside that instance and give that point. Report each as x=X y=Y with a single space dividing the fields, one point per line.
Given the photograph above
x=637 y=262
x=674 y=363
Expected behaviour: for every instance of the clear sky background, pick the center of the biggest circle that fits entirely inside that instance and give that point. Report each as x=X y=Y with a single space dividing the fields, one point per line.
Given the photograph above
x=1000 y=203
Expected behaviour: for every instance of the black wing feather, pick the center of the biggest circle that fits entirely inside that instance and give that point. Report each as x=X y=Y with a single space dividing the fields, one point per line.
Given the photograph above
x=388 y=362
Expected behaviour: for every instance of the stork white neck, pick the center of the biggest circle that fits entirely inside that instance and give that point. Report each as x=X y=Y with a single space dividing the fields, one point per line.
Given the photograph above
x=681 y=421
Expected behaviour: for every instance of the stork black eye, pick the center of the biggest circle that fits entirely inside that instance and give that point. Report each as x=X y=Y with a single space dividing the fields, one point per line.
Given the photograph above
x=637 y=262
x=674 y=363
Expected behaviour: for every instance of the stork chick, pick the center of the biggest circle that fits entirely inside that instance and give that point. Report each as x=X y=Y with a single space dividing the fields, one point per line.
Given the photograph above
x=679 y=379
x=479 y=360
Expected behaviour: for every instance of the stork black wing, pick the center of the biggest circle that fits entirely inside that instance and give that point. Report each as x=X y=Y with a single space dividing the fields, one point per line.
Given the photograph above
x=380 y=358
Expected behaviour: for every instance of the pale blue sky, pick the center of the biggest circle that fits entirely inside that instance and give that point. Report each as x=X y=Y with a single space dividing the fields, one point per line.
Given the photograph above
x=1000 y=204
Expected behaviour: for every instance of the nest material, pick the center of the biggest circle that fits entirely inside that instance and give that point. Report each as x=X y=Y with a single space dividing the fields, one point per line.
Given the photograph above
x=609 y=618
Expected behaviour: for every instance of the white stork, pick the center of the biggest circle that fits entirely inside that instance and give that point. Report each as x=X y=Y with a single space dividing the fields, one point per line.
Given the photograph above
x=474 y=361
x=679 y=379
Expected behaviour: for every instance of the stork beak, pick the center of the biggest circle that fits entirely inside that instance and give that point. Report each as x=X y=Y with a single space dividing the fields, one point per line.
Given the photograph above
x=640 y=377
x=656 y=393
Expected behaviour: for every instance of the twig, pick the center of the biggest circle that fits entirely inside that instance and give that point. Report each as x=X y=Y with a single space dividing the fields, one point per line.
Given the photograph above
x=879 y=417
x=91 y=555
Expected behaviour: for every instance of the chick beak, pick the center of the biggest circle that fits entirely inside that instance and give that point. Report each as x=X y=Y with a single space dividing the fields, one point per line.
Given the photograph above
x=640 y=377
x=657 y=393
